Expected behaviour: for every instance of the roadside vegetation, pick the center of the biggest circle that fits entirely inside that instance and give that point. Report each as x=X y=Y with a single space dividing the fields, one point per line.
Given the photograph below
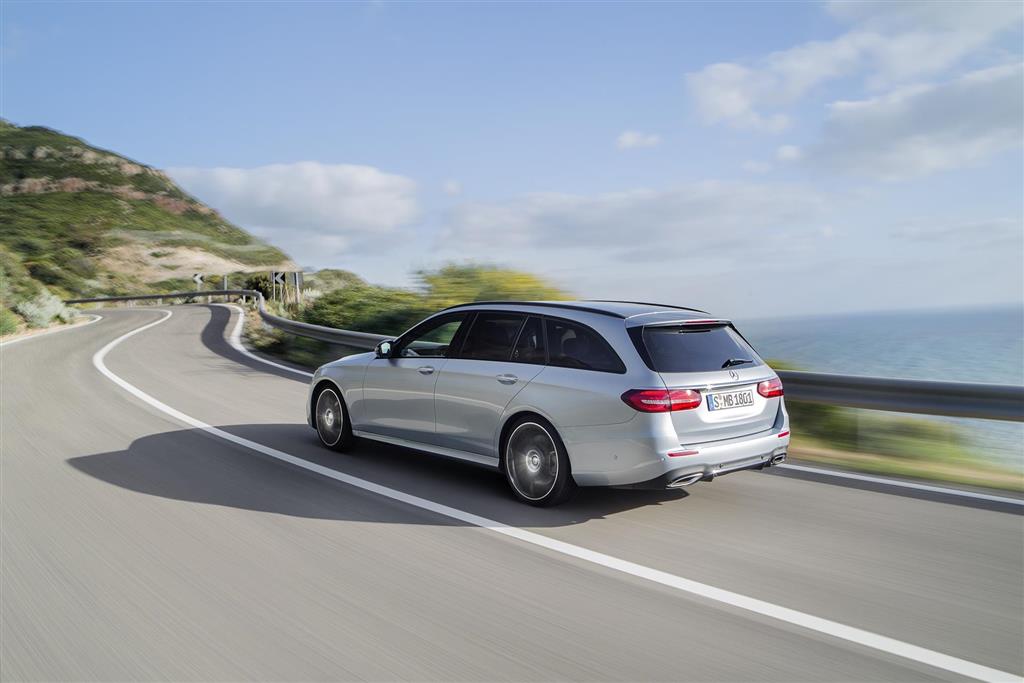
x=24 y=302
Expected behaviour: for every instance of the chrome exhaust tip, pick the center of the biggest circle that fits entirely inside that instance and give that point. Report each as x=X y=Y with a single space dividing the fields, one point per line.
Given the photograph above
x=685 y=481
x=779 y=459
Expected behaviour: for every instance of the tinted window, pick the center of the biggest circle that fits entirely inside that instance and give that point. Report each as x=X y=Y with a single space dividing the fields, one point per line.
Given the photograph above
x=575 y=346
x=432 y=339
x=491 y=336
x=695 y=349
x=530 y=346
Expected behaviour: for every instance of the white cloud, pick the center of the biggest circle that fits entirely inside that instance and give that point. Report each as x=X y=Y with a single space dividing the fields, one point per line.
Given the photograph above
x=306 y=207
x=973 y=234
x=631 y=139
x=923 y=38
x=923 y=129
x=788 y=153
x=728 y=92
x=724 y=219
x=890 y=43
x=752 y=166
x=452 y=187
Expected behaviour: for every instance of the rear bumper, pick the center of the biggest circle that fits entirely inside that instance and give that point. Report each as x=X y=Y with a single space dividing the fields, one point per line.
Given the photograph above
x=633 y=455
x=684 y=476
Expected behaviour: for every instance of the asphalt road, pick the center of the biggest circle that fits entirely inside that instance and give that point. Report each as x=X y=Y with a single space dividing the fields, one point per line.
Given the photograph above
x=137 y=547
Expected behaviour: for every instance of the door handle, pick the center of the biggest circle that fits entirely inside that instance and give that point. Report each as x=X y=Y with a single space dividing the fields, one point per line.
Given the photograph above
x=507 y=379
x=425 y=370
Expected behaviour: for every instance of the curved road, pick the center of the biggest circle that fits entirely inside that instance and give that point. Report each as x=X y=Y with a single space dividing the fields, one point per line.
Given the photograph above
x=136 y=547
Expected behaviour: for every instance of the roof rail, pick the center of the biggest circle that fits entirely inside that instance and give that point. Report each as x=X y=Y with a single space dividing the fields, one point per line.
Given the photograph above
x=646 y=303
x=545 y=304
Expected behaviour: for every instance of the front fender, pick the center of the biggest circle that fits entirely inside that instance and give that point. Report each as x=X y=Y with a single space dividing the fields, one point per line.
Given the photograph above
x=347 y=376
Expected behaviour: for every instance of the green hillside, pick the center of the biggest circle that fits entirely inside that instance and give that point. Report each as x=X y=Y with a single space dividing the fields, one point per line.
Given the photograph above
x=76 y=220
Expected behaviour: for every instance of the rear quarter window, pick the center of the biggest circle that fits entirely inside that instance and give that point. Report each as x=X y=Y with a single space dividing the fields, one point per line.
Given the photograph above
x=692 y=348
x=571 y=345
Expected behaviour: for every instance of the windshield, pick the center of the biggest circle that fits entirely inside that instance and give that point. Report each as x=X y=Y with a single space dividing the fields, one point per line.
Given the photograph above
x=687 y=348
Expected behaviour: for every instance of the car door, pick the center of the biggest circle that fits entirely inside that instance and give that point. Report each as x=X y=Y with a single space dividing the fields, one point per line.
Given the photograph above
x=398 y=392
x=501 y=353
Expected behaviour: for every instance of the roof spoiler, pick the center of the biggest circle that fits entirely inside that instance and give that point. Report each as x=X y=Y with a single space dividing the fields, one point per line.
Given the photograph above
x=693 y=321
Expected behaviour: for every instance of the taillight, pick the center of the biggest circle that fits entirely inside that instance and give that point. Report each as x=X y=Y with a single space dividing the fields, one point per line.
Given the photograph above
x=770 y=388
x=661 y=400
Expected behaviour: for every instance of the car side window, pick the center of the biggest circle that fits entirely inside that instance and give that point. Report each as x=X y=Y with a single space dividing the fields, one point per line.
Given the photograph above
x=576 y=346
x=492 y=335
x=431 y=340
x=530 y=345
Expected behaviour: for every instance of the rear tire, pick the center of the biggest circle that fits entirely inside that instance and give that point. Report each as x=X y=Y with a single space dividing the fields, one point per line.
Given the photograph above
x=536 y=464
x=332 y=423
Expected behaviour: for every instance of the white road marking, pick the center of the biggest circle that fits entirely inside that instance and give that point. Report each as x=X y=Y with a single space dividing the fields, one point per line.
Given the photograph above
x=235 y=340
x=903 y=484
x=767 y=609
x=94 y=318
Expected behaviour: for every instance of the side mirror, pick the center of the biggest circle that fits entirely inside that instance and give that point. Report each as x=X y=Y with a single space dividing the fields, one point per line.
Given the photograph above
x=383 y=349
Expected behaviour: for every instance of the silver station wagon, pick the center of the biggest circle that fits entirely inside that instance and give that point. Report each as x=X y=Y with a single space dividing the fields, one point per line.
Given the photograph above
x=557 y=395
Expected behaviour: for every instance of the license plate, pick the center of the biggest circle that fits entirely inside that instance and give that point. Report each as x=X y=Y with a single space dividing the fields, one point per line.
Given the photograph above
x=731 y=399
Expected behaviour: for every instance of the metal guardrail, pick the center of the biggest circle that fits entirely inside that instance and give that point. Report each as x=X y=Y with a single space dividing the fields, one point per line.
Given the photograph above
x=954 y=399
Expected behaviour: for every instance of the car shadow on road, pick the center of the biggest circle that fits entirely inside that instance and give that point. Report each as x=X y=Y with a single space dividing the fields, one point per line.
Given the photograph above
x=193 y=466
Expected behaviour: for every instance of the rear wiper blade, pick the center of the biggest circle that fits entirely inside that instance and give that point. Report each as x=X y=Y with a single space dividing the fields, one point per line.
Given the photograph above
x=736 y=361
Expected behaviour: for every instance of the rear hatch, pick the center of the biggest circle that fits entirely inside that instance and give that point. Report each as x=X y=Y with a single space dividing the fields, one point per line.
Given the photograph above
x=711 y=358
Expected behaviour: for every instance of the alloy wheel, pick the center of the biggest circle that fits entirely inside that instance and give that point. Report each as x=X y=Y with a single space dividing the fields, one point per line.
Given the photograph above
x=330 y=419
x=532 y=461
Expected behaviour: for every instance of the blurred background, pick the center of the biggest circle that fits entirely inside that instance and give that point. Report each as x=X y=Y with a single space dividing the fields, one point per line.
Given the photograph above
x=841 y=179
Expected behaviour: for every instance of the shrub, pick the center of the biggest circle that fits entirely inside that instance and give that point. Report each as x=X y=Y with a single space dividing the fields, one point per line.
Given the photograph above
x=41 y=310
x=260 y=283
x=457 y=284
x=356 y=305
x=330 y=278
x=311 y=294
x=367 y=308
x=8 y=322
x=15 y=283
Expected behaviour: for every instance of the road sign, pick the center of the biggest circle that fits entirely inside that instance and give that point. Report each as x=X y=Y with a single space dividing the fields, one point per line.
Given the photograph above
x=277 y=277
x=197 y=278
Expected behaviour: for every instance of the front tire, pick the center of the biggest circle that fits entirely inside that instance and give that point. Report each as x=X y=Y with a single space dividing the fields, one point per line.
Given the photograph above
x=332 y=423
x=536 y=464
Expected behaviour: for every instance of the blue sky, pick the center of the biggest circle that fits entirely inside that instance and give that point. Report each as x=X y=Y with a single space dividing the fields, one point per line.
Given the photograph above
x=753 y=158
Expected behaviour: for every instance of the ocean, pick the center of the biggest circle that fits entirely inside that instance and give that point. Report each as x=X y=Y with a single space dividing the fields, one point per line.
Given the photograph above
x=976 y=345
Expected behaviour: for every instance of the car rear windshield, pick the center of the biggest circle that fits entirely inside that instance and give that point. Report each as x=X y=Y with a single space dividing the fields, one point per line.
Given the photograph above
x=691 y=348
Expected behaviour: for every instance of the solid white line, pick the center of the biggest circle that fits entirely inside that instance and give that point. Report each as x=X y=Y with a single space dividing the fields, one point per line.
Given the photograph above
x=903 y=484
x=784 y=614
x=95 y=318
x=235 y=340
